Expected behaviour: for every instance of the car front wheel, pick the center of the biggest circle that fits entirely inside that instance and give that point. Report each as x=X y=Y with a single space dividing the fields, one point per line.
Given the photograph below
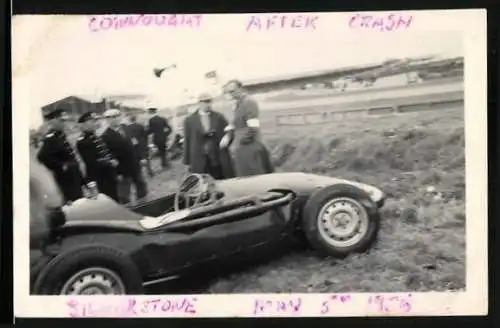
x=89 y=270
x=341 y=219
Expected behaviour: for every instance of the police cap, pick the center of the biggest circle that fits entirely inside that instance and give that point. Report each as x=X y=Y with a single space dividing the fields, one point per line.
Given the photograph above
x=53 y=113
x=86 y=117
x=112 y=113
x=205 y=96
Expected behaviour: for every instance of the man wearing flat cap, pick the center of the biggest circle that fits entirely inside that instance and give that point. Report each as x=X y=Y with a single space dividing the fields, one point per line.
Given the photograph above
x=203 y=131
x=129 y=165
x=160 y=129
x=100 y=166
x=58 y=156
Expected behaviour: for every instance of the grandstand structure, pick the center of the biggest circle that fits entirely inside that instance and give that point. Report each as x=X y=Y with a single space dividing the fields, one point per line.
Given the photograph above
x=426 y=67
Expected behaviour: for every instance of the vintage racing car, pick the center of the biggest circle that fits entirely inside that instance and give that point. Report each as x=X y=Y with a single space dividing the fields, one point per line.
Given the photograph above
x=101 y=247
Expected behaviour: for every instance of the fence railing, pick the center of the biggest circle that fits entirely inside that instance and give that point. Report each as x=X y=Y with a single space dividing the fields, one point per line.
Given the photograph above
x=309 y=115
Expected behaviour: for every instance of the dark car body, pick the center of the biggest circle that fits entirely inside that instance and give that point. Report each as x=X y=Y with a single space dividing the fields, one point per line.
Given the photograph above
x=256 y=214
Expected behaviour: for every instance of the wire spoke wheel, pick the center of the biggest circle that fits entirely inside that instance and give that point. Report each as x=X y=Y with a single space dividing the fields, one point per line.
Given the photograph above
x=343 y=222
x=94 y=281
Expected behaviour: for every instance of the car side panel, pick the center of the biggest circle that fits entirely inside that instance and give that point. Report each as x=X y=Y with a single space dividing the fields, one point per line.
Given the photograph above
x=267 y=227
x=173 y=252
x=164 y=253
x=177 y=252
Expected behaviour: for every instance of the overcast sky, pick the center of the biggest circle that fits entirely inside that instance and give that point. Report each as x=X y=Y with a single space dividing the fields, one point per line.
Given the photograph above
x=62 y=57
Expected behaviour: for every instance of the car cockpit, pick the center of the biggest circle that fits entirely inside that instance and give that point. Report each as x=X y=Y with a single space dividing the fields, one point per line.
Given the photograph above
x=194 y=192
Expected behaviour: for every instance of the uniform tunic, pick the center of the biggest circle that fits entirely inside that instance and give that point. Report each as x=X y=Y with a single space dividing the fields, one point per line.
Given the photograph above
x=98 y=167
x=251 y=157
x=58 y=156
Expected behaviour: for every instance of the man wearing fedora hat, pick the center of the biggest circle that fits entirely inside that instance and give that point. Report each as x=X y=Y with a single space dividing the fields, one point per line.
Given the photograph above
x=203 y=131
x=59 y=157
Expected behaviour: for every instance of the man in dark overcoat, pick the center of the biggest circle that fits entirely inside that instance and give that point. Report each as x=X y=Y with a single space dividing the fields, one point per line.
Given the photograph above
x=203 y=131
x=59 y=157
x=251 y=156
x=159 y=127
x=122 y=149
x=100 y=166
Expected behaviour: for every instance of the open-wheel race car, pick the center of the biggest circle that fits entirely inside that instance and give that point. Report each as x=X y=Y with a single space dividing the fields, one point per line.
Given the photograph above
x=101 y=247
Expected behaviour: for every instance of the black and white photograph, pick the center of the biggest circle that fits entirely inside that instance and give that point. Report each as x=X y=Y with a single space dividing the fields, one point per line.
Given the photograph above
x=191 y=156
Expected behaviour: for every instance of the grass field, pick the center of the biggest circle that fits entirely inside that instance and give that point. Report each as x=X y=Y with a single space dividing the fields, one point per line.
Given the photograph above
x=421 y=245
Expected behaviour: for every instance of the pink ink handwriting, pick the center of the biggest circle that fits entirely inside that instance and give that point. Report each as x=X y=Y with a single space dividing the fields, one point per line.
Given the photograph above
x=282 y=306
x=133 y=307
x=273 y=22
x=333 y=301
x=116 y=22
x=383 y=22
x=391 y=303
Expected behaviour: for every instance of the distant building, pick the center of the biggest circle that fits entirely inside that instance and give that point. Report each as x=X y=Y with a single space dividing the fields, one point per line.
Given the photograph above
x=76 y=105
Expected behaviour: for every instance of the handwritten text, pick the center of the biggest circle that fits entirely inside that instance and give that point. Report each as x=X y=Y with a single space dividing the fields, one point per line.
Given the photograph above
x=133 y=307
x=333 y=301
x=267 y=22
x=287 y=306
x=106 y=23
x=390 y=303
x=381 y=22
x=281 y=305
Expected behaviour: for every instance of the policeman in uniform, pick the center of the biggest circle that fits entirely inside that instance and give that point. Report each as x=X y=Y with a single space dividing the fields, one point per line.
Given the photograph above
x=58 y=156
x=100 y=166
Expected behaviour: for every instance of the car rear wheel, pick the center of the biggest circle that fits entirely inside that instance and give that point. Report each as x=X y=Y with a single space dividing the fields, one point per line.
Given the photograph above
x=340 y=219
x=89 y=270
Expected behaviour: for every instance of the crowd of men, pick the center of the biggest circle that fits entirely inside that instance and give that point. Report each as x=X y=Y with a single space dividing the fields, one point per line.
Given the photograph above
x=115 y=154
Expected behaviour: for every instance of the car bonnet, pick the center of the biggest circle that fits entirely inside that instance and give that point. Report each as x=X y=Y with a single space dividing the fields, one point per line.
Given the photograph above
x=299 y=182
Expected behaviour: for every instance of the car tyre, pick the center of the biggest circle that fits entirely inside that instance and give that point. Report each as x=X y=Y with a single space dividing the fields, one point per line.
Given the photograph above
x=350 y=197
x=36 y=267
x=58 y=271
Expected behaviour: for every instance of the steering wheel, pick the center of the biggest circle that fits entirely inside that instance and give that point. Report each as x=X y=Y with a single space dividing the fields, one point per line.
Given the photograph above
x=195 y=190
